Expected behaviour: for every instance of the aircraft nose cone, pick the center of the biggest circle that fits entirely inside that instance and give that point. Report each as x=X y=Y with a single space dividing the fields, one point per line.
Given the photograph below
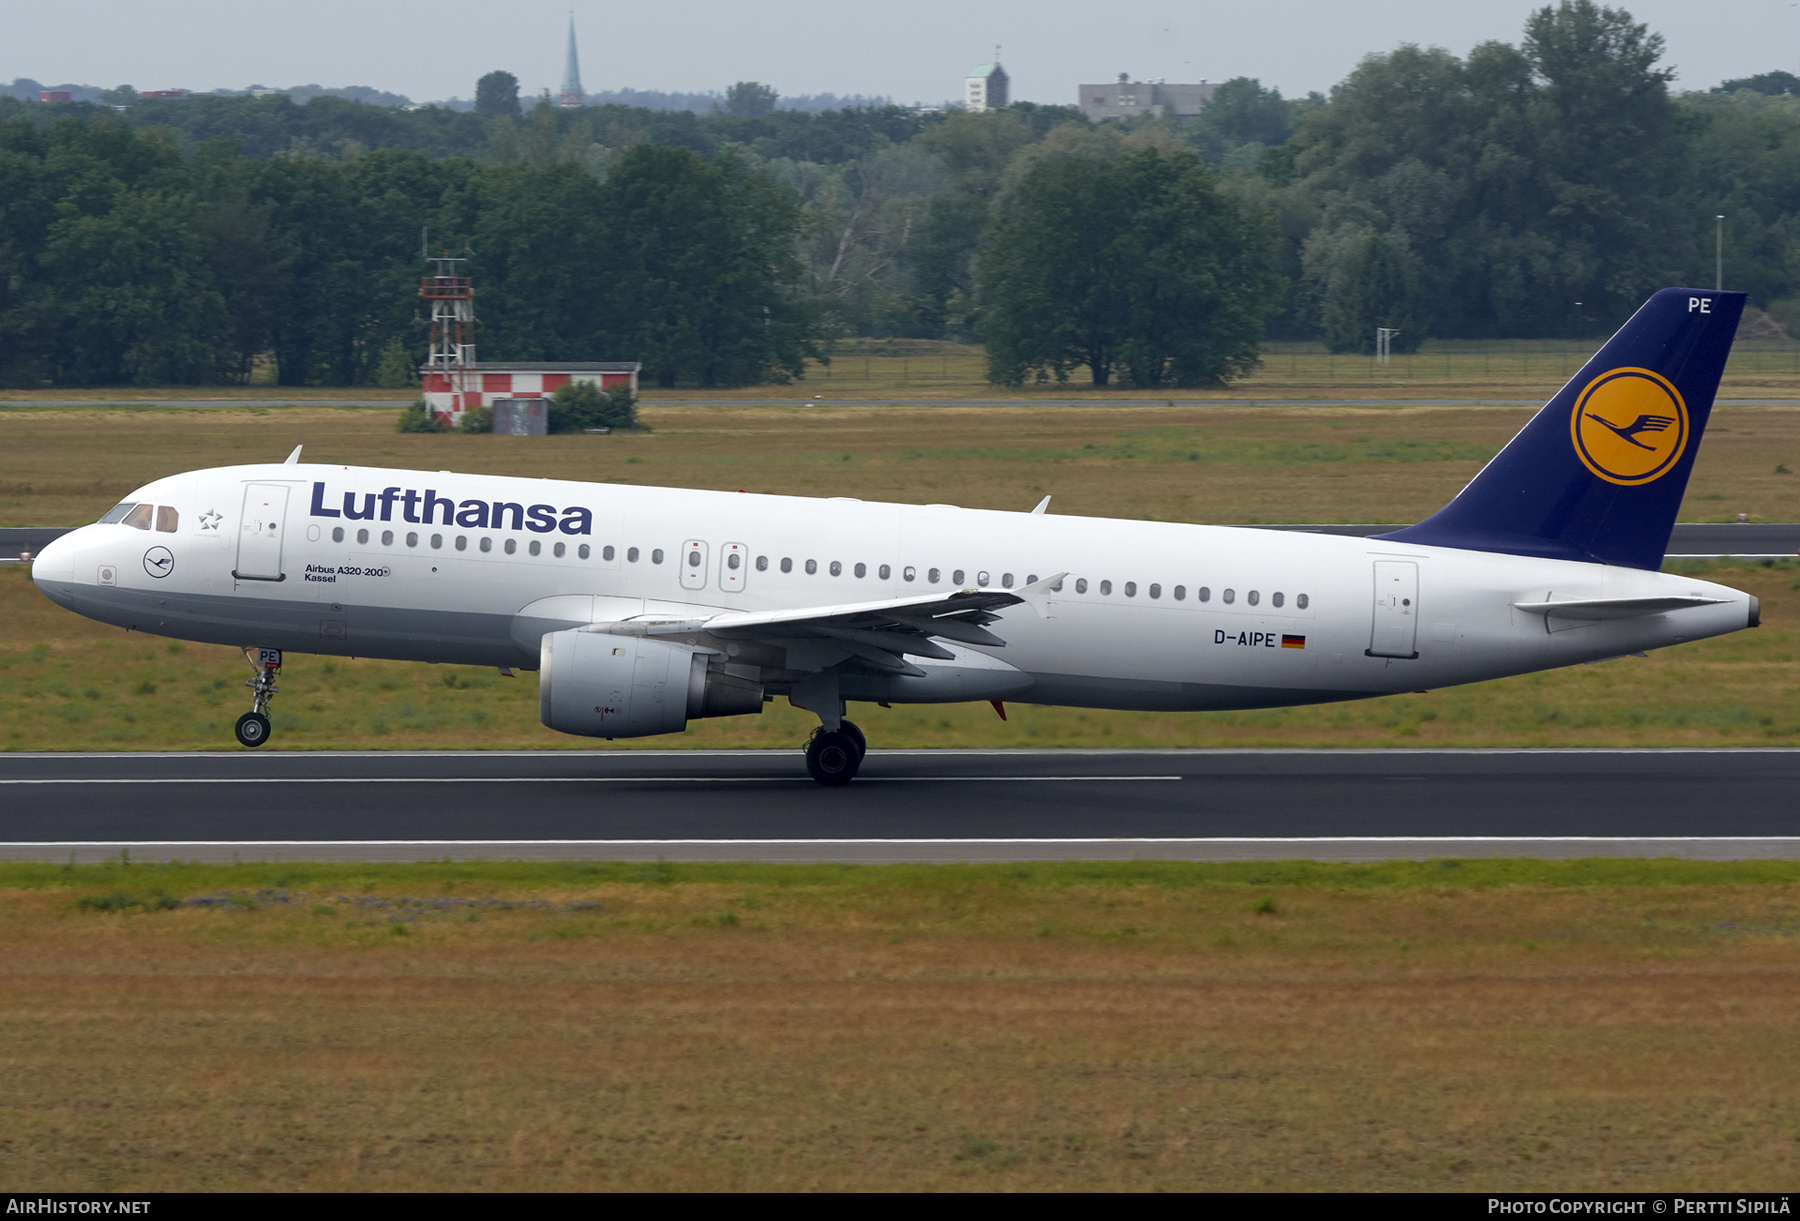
x=53 y=569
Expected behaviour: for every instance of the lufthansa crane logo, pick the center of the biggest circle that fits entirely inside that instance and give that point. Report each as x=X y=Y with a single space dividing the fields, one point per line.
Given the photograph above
x=1629 y=426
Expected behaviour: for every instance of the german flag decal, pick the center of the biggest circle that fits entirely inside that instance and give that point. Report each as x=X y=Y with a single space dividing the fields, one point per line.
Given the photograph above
x=1293 y=642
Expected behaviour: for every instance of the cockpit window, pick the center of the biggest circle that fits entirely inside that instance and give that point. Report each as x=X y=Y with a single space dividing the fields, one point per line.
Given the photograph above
x=117 y=513
x=139 y=517
x=168 y=521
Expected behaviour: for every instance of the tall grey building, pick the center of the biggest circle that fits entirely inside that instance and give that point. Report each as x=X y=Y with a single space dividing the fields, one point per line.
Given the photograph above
x=1124 y=97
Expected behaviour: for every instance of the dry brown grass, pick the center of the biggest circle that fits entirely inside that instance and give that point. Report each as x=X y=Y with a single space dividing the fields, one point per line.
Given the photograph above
x=1206 y=464
x=957 y=1034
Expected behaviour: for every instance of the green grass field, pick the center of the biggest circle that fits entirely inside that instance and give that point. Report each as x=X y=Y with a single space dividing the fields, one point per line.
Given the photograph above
x=864 y=369
x=67 y=683
x=1518 y=368
x=1444 y=1025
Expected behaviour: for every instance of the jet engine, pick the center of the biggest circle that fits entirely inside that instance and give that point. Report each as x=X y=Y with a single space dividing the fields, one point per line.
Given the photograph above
x=602 y=686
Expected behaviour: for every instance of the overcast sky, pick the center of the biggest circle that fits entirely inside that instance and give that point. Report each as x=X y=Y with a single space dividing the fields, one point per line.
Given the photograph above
x=916 y=51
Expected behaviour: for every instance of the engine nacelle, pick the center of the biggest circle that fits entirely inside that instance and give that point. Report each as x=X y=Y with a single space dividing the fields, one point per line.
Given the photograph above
x=601 y=686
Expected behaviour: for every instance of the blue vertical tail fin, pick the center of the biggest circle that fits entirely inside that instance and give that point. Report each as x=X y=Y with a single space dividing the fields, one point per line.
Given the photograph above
x=1598 y=474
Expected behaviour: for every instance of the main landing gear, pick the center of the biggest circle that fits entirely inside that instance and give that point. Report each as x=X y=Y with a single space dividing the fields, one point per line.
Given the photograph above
x=833 y=756
x=253 y=726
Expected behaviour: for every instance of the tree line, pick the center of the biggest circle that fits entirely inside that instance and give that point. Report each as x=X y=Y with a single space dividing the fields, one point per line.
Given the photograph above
x=1542 y=188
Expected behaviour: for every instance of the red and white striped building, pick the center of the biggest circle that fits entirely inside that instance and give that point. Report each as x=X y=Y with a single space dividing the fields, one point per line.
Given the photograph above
x=466 y=387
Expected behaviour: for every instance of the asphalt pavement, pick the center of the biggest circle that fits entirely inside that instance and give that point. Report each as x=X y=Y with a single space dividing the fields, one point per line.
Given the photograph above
x=905 y=805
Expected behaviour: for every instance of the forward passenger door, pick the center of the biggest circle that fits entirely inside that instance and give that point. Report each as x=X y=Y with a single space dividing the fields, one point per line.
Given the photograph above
x=260 y=533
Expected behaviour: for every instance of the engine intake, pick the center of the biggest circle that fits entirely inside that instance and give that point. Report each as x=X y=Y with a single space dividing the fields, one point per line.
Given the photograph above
x=602 y=686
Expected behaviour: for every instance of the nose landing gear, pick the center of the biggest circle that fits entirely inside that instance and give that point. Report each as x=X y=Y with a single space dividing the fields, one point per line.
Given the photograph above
x=253 y=727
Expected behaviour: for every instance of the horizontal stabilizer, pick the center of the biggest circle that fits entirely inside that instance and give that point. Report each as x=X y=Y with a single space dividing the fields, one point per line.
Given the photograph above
x=1614 y=608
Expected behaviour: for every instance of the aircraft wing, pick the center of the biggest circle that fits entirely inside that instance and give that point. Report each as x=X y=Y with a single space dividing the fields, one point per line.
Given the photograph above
x=881 y=633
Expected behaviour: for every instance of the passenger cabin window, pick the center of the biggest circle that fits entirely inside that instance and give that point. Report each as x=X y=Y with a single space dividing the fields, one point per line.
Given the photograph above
x=337 y=534
x=1156 y=591
x=412 y=538
x=1203 y=594
x=1229 y=596
x=1254 y=597
x=656 y=556
x=932 y=576
x=981 y=579
x=837 y=568
x=884 y=572
x=387 y=538
x=116 y=514
x=1106 y=587
x=362 y=536
x=560 y=550
x=1080 y=585
x=1131 y=589
x=787 y=565
x=139 y=517
x=956 y=578
x=606 y=552
x=462 y=542
x=631 y=553
x=487 y=544
x=762 y=563
x=1180 y=592
x=167 y=519
x=812 y=568
x=512 y=545
x=1302 y=601
x=1275 y=599
x=583 y=551
x=437 y=542
x=861 y=570
x=537 y=548
x=1006 y=580
x=908 y=573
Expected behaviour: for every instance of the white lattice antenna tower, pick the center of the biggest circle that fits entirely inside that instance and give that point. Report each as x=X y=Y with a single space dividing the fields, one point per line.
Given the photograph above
x=452 y=358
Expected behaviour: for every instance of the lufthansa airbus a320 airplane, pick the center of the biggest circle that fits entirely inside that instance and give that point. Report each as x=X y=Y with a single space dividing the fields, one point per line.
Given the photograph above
x=645 y=608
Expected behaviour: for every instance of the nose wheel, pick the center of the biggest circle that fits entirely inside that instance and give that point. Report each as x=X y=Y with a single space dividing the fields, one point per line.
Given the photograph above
x=253 y=727
x=834 y=756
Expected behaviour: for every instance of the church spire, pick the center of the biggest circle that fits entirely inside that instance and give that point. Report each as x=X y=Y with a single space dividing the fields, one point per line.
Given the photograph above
x=572 y=97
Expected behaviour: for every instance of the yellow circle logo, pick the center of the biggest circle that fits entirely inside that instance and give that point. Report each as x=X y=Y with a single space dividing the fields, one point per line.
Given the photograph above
x=1629 y=426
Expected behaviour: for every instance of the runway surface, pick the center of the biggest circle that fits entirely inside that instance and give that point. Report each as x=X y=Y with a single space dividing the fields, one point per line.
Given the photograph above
x=1754 y=540
x=905 y=806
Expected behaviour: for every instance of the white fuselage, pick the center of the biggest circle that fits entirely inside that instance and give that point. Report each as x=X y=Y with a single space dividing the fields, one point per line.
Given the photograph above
x=1286 y=617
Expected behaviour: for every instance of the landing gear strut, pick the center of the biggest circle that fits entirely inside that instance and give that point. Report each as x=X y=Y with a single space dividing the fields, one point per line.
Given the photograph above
x=833 y=756
x=253 y=726
x=836 y=749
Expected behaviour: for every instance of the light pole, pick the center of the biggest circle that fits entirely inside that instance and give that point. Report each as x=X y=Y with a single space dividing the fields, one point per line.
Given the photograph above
x=1719 y=251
